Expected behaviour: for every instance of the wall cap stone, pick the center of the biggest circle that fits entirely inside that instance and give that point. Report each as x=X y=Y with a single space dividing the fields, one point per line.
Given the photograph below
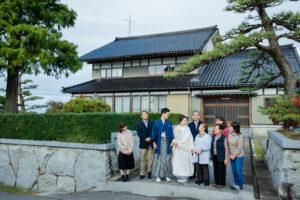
x=283 y=141
x=73 y=145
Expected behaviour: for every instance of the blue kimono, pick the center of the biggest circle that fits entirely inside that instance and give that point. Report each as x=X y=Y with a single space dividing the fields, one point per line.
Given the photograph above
x=158 y=129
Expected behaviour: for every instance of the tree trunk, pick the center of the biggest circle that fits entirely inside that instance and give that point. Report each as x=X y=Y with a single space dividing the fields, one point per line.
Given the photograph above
x=290 y=83
x=11 y=99
x=20 y=92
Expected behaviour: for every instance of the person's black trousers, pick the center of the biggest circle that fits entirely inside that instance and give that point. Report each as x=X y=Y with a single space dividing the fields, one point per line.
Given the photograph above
x=202 y=173
x=219 y=172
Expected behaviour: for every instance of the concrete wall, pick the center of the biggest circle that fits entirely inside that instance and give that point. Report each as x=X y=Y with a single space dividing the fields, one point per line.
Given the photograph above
x=283 y=160
x=178 y=103
x=257 y=117
x=58 y=166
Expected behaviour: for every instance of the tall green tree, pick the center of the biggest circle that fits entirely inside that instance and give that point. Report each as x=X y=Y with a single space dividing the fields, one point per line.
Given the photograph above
x=31 y=41
x=260 y=30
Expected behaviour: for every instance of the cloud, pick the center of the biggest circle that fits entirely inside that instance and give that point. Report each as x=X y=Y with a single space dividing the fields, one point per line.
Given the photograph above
x=100 y=21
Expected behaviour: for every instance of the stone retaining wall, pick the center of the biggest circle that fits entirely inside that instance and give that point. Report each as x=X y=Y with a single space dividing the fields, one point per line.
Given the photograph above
x=283 y=160
x=57 y=166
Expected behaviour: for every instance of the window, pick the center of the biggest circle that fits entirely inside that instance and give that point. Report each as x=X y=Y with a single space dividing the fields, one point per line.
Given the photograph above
x=144 y=62
x=122 y=104
x=136 y=63
x=96 y=66
x=108 y=100
x=169 y=60
x=106 y=65
x=105 y=73
x=183 y=59
x=145 y=103
x=156 y=103
x=127 y=64
x=117 y=72
x=155 y=61
x=136 y=104
x=269 y=101
x=158 y=69
x=117 y=64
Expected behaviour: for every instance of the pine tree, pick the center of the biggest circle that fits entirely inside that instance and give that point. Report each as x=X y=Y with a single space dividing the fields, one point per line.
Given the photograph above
x=258 y=28
x=25 y=95
x=31 y=41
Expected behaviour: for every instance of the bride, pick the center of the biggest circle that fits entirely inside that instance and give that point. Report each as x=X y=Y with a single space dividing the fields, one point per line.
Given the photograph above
x=182 y=151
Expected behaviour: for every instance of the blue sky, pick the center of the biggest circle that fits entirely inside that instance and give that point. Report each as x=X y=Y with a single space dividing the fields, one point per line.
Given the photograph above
x=100 y=21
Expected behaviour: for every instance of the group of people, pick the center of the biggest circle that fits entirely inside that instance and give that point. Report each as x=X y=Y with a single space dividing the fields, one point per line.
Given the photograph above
x=184 y=151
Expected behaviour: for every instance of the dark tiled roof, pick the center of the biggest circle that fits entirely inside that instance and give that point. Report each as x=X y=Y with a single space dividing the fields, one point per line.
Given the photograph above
x=152 y=83
x=218 y=74
x=189 y=40
x=224 y=72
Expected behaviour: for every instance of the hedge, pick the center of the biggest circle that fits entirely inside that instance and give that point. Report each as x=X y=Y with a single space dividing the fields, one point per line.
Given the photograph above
x=69 y=127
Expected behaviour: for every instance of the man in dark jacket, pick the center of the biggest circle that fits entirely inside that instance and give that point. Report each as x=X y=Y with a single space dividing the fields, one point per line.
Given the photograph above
x=144 y=131
x=194 y=127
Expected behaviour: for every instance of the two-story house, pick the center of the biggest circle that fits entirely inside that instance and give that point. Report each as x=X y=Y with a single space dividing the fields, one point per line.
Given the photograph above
x=128 y=75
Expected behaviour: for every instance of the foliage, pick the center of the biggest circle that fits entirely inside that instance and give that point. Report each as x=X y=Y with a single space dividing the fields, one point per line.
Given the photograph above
x=54 y=107
x=69 y=127
x=83 y=105
x=257 y=30
x=2 y=101
x=31 y=41
x=283 y=112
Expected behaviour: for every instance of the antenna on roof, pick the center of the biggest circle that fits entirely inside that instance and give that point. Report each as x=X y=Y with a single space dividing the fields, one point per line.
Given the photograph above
x=129 y=22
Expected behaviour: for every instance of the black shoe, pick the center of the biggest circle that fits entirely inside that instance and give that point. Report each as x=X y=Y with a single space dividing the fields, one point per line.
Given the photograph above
x=142 y=176
x=206 y=183
x=149 y=176
x=123 y=178
x=197 y=182
x=126 y=178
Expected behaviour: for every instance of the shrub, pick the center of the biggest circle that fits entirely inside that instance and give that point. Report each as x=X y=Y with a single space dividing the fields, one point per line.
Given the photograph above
x=83 y=105
x=69 y=127
x=54 y=107
x=284 y=111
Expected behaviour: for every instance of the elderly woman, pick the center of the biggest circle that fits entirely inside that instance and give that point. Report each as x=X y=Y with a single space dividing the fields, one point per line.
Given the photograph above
x=219 y=155
x=201 y=155
x=183 y=147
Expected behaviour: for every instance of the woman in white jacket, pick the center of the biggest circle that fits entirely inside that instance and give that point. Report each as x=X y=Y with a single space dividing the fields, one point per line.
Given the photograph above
x=202 y=147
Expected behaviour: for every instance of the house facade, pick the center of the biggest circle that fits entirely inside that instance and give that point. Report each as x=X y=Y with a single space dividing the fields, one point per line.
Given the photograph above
x=128 y=75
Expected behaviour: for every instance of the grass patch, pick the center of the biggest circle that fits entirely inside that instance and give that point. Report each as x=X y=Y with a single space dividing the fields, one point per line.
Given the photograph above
x=16 y=190
x=259 y=150
x=290 y=134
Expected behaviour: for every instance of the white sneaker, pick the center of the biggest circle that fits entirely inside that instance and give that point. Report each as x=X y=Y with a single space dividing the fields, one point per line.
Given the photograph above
x=158 y=180
x=182 y=180
x=168 y=179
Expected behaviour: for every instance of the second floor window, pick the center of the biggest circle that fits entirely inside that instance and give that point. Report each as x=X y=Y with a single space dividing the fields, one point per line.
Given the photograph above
x=108 y=73
x=160 y=69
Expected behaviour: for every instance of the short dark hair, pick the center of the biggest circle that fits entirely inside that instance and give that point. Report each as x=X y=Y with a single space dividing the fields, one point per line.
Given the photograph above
x=221 y=119
x=220 y=126
x=144 y=111
x=183 y=117
x=121 y=126
x=236 y=127
x=164 y=110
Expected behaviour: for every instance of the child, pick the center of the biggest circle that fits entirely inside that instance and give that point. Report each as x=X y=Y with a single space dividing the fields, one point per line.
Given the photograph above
x=125 y=157
x=202 y=154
